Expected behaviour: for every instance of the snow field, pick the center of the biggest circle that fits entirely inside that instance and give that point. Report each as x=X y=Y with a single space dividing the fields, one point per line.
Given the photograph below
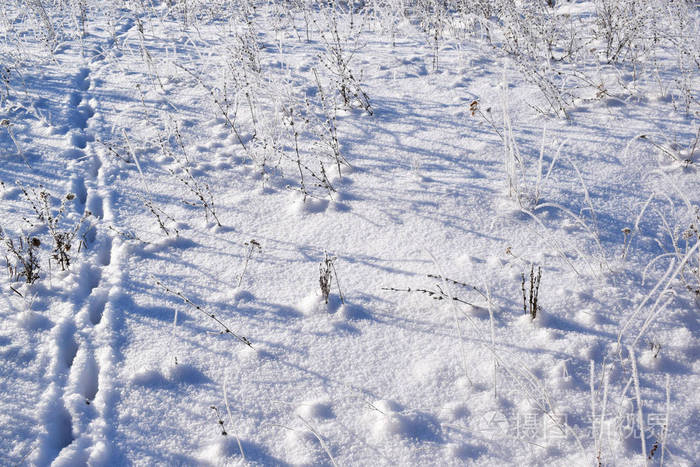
x=220 y=153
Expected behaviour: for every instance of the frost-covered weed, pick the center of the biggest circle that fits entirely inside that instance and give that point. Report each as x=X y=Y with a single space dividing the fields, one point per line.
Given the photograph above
x=63 y=236
x=253 y=247
x=224 y=328
x=25 y=264
x=689 y=248
x=531 y=293
x=200 y=191
x=326 y=273
x=338 y=50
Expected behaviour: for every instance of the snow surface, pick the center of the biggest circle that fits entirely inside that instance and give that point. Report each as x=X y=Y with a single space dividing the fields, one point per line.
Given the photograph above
x=422 y=353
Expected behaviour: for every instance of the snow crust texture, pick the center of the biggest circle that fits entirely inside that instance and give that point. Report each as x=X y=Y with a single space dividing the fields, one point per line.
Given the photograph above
x=243 y=232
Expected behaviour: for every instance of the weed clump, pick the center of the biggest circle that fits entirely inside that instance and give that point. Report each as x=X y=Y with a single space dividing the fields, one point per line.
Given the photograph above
x=63 y=237
x=26 y=260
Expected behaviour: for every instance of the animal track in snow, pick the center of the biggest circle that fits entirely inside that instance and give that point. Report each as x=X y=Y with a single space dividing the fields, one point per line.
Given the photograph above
x=80 y=190
x=82 y=81
x=96 y=205
x=71 y=405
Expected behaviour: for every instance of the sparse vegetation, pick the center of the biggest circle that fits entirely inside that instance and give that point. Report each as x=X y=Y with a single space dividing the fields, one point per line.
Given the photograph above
x=211 y=316
x=24 y=264
x=253 y=247
x=189 y=134
x=326 y=273
x=531 y=293
x=63 y=236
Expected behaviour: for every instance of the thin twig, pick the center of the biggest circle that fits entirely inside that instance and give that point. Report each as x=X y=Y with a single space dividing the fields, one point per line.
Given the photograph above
x=226 y=329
